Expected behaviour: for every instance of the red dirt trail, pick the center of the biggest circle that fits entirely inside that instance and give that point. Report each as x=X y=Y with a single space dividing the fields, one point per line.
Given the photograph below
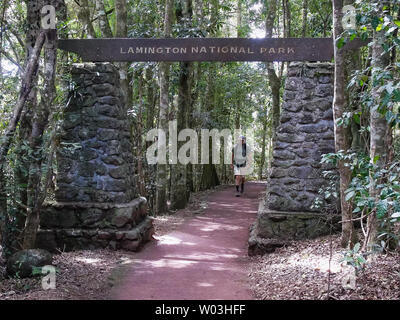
x=204 y=259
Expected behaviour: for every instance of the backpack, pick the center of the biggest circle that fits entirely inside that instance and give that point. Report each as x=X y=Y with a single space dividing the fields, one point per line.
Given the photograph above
x=240 y=159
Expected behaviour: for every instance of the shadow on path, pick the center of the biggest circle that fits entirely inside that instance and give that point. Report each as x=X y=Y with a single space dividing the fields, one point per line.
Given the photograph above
x=204 y=259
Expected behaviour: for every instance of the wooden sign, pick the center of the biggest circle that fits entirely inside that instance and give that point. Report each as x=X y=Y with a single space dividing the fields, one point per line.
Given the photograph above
x=204 y=49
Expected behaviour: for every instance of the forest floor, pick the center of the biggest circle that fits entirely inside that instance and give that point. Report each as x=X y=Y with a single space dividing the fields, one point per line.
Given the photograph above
x=298 y=271
x=87 y=275
x=301 y=272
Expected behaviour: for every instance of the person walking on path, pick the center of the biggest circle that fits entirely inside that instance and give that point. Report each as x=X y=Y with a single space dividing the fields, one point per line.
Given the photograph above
x=240 y=155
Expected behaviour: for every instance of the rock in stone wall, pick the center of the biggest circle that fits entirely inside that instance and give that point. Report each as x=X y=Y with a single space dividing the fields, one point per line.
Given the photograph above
x=75 y=226
x=97 y=204
x=95 y=161
x=305 y=133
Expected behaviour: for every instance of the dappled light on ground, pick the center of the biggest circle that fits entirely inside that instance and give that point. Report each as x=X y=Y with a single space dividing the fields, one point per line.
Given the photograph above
x=80 y=275
x=164 y=263
x=204 y=258
x=169 y=240
x=313 y=261
x=301 y=271
x=88 y=260
x=204 y=284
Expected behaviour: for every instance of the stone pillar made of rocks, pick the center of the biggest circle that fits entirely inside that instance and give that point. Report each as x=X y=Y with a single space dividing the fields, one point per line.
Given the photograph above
x=97 y=204
x=305 y=133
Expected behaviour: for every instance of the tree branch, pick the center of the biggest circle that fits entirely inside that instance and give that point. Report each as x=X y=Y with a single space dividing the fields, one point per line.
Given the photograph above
x=26 y=87
x=12 y=60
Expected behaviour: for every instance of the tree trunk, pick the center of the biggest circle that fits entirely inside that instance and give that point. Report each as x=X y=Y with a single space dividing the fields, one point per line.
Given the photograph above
x=288 y=15
x=36 y=193
x=238 y=35
x=380 y=130
x=237 y=115
x=209 y=178
x=104 y=24
x=305 y=17
x=180 y=193
x=121 y=31
x=239 y=19
x=274 y=80
x=193 y=184
x=85 y=18
x=25 y=127
x=139 y=137
x=189 y=122
x=161 y=188
x=151 y=99
x=342 y=133
x=26 y=87
x=263 y=150
x=28 y=81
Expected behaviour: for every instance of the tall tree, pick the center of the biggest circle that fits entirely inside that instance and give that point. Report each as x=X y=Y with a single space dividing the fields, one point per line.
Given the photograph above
x=274 y=80
x=239 y=34
x=17 y=224
x=287 y=18
x=102 y=17
x=380 y=131
x=25 y=128
x=40 y=120
x=180 y=193
x=121 y=31
x=27 y=83
x=161 y=189
x=263 y=146
x=139 y=132
x=305 y=18
x=86 y=19
x=209 y=178
x=342 y=133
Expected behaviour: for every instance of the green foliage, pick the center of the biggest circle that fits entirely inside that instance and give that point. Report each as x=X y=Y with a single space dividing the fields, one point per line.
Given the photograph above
x=386 y=182
x=36 y=271
x=367 y=172
x=355 y=258
x=387 y=81
x=329 y=192
x=320 y=18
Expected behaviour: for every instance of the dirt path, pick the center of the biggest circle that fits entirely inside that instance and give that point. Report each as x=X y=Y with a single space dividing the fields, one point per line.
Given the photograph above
x=205 y=258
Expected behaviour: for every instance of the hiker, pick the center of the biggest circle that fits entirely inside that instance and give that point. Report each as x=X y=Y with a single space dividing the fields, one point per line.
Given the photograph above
x=239 y=162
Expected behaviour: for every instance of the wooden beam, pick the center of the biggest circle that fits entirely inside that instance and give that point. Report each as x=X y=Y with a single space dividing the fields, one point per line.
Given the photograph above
x=204 y=49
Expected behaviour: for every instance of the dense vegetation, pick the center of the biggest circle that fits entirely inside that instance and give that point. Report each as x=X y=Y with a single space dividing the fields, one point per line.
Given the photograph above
x=34 y=79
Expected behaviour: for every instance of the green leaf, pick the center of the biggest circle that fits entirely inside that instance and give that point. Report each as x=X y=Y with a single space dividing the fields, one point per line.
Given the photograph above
x=361 y=260
x=375 y=22
x=356 y=118
x=348 y=259
x=36 y=271
x=391 y=30
x=350 y=195
x=340 y=43
x=356 y=210
x=357 y=247
x=396 y=215
x=364 y=36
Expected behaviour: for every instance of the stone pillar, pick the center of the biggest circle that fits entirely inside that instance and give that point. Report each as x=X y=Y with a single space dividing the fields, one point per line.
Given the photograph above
x=306 y=132
x=97 y=204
